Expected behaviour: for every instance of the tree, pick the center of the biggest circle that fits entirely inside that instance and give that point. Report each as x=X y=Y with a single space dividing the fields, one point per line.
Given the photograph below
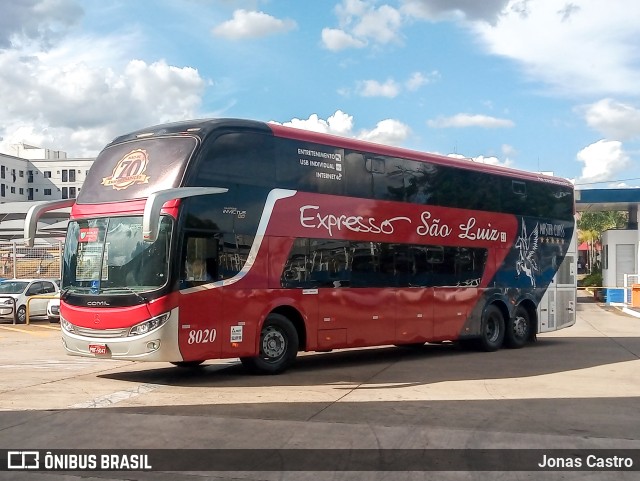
x=591 y=225
x=601 y=221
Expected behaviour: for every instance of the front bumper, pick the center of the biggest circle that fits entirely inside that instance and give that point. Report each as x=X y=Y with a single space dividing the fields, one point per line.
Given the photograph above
x=161 y=344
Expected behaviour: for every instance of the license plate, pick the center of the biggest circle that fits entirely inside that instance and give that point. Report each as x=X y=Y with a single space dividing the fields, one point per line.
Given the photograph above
x=97 y=348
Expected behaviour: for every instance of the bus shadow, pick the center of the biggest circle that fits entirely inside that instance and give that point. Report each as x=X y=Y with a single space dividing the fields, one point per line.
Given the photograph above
x=398 y=367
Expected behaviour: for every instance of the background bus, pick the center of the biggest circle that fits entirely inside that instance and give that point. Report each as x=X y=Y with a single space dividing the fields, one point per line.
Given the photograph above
x=232 y=238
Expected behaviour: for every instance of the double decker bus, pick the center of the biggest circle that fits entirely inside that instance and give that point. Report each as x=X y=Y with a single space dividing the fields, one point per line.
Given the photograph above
x=229 y=238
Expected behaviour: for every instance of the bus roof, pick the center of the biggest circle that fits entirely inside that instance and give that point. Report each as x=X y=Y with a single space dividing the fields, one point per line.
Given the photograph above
x=203 y=127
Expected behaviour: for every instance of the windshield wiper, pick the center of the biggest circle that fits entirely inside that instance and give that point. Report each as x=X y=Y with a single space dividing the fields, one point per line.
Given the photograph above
x=126 y=289
x=74 y=290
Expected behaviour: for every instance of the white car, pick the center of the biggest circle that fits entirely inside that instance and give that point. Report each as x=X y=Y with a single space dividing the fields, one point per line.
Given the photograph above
x=14 y=293
x=53 y=309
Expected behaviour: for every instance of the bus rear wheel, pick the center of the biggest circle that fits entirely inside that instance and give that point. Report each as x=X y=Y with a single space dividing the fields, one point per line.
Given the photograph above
x=518 y=329
x=492 y=329
x=278 y=347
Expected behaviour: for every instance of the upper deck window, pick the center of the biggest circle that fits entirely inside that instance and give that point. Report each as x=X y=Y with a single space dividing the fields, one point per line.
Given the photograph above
x=237 y=157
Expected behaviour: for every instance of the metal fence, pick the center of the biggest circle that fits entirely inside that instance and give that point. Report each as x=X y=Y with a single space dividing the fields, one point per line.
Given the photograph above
x=19 y=262
x=632 y=294
x=630 y=280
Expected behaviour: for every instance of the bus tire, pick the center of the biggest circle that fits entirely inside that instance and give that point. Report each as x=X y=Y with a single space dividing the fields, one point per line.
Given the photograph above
x=187 y=364
x=491 y=330
x=518 y=329
x=278 y=347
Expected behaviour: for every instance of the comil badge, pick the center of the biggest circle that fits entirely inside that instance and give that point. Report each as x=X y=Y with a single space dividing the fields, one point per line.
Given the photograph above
x=129 y=170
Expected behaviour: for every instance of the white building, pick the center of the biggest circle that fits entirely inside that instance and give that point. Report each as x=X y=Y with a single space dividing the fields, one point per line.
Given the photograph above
x=619 y=257
x=40 y=174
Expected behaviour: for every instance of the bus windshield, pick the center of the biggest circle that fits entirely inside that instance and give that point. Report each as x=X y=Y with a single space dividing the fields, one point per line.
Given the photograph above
x=109 y=256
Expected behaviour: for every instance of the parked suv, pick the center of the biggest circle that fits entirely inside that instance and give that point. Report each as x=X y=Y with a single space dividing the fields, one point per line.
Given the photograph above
x=21 y=290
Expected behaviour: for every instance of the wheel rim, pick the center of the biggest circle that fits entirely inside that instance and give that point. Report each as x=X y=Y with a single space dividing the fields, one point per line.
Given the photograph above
x=22 y=314
x=274 y=344
x=520 y=326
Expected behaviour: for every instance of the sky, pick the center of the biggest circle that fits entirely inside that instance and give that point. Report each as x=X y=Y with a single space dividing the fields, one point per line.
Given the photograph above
x=536 y=85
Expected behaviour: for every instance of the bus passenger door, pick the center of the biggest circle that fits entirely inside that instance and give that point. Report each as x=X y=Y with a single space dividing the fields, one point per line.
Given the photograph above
x=352 y=317
x=355 y=306
x=414 y=300
x=456 y=275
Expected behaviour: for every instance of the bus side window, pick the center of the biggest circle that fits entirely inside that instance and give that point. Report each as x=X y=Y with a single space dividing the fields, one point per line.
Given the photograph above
x=200 y=259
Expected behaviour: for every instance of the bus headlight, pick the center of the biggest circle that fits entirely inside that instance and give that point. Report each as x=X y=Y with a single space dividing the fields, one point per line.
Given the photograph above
x=148 y=326
x=66 y=325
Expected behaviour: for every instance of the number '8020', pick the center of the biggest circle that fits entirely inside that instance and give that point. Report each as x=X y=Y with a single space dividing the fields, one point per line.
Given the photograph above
x=201 y=336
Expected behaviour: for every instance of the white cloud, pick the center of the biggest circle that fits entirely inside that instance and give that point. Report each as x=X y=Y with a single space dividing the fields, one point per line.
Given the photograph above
x=42 y=21
x=389 y=131
x=492 y=160
x=613 y=119
x=373 y=88
x=445 y=9
x=339 y=123
x=508 y=150
x=252 y=24
x=362 y=23
x=335 y=39
x=381 y=24
x=168 y=92
x=313 y=123
x=481 y=159
x=391 y=88
x=418 y=79
x=581 y=48
x=65 y=100
x=602 y=161
x=469 y=120
x=576 y=47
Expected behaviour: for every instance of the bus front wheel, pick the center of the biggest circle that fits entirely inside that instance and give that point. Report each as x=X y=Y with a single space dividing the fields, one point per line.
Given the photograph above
x=518 y=329
x=492 y=329
x=278 y=347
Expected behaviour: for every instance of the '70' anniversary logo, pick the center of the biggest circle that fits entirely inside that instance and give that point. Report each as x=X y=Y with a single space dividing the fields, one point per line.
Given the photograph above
x=129 y=170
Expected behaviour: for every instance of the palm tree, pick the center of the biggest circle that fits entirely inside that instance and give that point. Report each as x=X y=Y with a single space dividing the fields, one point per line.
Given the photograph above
x=591 y=225
x=592 y=238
